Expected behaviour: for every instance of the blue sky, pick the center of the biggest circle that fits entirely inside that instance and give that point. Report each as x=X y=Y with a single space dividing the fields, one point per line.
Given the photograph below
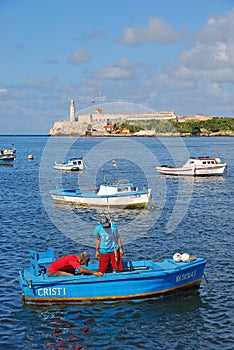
x=160 y=54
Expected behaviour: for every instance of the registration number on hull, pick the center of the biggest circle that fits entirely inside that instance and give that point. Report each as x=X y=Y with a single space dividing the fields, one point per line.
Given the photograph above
x=186 y=276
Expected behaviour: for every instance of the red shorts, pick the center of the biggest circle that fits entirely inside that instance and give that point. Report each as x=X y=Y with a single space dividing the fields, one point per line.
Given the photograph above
x=110 y=261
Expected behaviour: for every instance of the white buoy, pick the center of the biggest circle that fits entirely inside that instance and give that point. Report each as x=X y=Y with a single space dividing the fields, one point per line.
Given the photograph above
x=185 y=257
x=177 y=257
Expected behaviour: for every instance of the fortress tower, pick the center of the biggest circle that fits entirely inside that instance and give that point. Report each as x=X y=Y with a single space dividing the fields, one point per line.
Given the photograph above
x=72 y=111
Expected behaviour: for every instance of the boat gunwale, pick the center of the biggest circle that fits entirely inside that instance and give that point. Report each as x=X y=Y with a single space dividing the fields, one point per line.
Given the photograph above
x=152 y=270
x=93 y=194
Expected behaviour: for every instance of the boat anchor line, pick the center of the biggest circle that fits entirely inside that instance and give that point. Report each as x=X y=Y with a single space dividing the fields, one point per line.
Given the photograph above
x=208 y=283
x=151 y=204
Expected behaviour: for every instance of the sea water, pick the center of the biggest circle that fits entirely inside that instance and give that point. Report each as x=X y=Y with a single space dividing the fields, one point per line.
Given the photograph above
x=186 y=215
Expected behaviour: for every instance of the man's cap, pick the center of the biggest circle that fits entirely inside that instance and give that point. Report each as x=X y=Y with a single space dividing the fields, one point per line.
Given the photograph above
x=105 y=221
x=85 y=256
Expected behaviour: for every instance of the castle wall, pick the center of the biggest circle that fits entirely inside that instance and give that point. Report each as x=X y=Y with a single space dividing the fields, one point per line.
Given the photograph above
x=122 y=117
x=62 y=128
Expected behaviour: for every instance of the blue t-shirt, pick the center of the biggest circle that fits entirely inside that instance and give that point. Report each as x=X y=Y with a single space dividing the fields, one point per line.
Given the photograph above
x=108 y=238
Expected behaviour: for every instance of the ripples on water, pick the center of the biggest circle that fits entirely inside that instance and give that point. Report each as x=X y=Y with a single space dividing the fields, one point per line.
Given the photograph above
x=29 y=219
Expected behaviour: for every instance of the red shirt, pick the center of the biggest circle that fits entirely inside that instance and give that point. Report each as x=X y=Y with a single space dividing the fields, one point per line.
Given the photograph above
x=67 y=263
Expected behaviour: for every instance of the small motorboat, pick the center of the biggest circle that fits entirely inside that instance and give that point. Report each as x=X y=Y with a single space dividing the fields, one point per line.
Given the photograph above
x=116 y=194
x=140 y=279
x=6 y=160
x=7 y=156
x=8 y=152
x=195 y=166
x=73 y=164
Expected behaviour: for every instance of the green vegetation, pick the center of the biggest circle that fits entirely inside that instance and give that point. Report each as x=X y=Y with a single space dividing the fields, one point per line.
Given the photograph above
x=160 y=126
x=195 y=127
x=131 y=127
x=192 y=126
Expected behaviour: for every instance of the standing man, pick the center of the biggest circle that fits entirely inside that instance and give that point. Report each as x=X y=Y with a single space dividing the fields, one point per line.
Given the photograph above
x=109 y=248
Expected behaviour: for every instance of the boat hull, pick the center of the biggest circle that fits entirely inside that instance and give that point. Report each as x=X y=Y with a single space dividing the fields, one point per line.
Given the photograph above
x=190 y=171
x=175 y=171
x=140 y=279
x=67 y=168
x=91 y=199
x=7 y=160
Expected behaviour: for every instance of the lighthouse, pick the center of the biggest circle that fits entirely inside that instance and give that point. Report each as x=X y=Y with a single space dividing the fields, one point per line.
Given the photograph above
x=72 y=111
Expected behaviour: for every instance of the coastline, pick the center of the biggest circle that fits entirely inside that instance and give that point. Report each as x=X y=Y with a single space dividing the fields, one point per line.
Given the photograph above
x=146 y=128
x=145 y=134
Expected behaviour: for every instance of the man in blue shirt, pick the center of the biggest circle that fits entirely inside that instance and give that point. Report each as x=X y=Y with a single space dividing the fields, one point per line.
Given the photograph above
x=109 y=248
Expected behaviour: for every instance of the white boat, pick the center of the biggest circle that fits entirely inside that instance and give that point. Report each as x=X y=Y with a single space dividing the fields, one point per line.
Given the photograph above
x=7 y=156
x=6 y=160
x=195 y=166
x=117 y=194
x=73 y=164
x=9 y=152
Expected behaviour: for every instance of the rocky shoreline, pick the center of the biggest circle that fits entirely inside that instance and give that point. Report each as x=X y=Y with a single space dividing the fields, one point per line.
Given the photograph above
x=142 y=133
x=74 y=129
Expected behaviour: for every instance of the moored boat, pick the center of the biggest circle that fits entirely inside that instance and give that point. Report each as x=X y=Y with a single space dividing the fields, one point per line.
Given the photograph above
x=73 y=164
x=195 y=166
x=140 y=279
x=8 y=152
x=6 y=160
x=116 y=194
x=7 y=156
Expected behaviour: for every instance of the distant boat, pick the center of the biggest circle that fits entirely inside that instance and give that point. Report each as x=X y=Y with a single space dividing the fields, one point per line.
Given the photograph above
x=6 y=160
x=195 y=166
x=73 y=164
x=116 y=194
x=140 y=279
x=8 y=152
x=7 y=156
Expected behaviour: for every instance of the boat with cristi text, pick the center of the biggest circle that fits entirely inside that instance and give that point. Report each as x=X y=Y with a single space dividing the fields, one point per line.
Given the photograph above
x=140 y=279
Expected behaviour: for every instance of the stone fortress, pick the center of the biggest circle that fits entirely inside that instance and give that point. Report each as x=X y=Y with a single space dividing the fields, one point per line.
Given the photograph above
x=98 y=123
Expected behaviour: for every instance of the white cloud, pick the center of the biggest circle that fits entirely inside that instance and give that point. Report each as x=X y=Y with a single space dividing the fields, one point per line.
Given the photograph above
x=216 y=91
x=156 y=31
x=220 y=53
x=36 y=82
x=80 y=56
x=211 y=55
x=213 y=45
x=97 y=33
x=219 y=28
x=201 y=81
x=3 y=91
x=123 y=69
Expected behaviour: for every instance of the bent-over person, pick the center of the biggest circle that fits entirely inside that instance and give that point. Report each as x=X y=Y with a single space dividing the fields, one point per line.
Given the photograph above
x=67 y=265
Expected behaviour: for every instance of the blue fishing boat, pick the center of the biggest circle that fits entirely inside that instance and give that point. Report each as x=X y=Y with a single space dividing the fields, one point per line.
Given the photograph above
x=140 y=279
